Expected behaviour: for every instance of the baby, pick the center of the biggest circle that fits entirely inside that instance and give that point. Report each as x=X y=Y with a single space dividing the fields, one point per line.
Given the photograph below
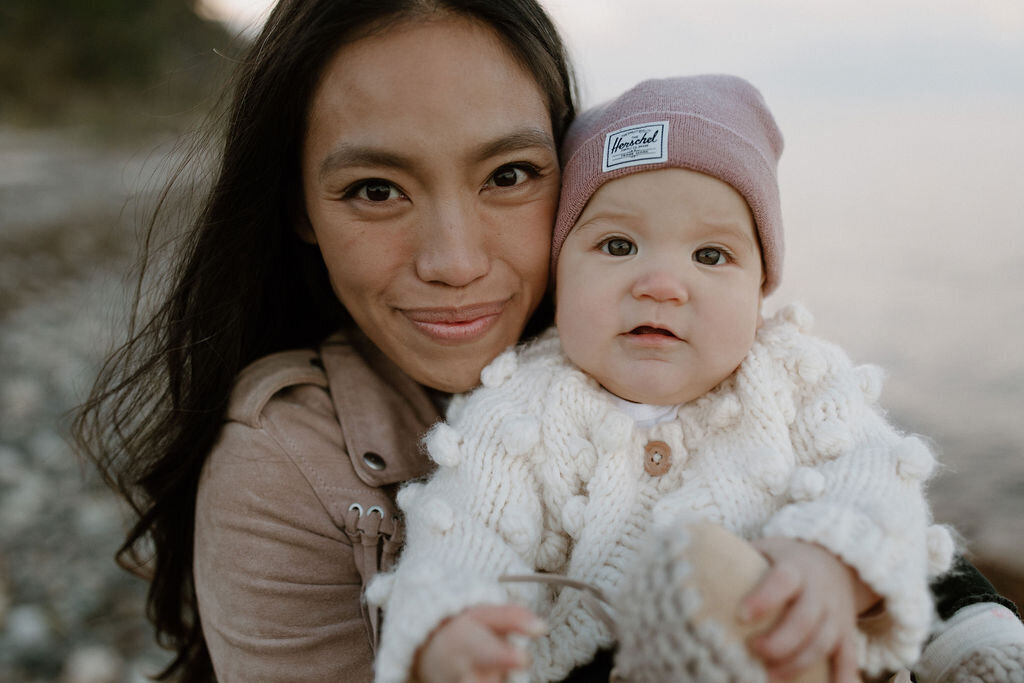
x=665 y=398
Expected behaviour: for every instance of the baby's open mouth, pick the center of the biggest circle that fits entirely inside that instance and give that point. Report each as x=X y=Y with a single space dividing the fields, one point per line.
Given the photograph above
x=647 y=329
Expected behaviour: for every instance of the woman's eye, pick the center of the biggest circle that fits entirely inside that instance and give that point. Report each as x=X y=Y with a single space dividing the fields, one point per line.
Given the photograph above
x=709 y=256
x=373 y=190
x=507 y=176
x=617 y=246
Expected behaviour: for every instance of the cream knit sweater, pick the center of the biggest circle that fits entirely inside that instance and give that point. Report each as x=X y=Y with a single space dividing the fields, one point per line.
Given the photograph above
x=539 y=471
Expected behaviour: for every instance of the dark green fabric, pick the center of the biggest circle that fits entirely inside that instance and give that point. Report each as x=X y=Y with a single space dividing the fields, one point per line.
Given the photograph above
x=962 y=586
x=597 y=669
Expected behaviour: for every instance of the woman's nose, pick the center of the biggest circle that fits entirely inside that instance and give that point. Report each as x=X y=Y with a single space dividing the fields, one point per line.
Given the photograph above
x=663 y=285
x=452 y=246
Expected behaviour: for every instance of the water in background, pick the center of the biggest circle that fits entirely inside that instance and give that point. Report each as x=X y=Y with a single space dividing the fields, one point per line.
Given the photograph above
x=905 y=238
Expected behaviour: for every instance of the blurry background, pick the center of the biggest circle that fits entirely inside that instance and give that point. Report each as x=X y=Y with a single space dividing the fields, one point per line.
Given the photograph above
x=903 y=194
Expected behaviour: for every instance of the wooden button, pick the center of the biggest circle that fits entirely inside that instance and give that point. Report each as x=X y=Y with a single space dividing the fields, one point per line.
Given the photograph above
x=657 y=458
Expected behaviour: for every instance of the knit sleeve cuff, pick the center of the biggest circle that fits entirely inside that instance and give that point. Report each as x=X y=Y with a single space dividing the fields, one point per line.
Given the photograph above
x=452 y=560
x=417 y=607
x=894 y=566
x=984 y=629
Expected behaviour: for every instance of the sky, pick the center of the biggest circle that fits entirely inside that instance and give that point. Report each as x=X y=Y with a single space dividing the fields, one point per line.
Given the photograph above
x=838 y=48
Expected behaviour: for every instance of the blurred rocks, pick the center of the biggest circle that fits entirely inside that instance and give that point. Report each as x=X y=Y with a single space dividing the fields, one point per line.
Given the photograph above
x=68 y=613
x=93 y=664
x=29 y=630
x=22 y=397
x=5 y=602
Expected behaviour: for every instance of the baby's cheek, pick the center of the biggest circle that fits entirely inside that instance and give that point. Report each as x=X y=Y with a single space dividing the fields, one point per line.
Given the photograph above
x=582 y=342
x=573 y=309
x=574 y=341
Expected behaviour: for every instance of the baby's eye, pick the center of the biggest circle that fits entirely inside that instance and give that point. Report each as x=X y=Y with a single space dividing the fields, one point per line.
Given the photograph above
x=618 y=246
x=373 y=190
x=509 y=175
x=710 y=256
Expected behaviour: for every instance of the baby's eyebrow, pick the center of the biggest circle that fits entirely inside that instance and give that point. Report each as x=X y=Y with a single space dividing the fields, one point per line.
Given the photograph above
x=611 y=214
x=712 y=227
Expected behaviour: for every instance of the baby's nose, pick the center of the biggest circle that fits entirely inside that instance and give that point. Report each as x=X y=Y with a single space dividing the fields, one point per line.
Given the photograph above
x=662 y=285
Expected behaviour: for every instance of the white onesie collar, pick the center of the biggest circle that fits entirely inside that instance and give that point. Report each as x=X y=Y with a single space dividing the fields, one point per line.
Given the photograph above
x=644 y=414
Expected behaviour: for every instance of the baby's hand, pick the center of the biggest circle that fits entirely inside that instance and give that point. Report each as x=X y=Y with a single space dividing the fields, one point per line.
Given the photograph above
x=473 y=646
x=818 y=597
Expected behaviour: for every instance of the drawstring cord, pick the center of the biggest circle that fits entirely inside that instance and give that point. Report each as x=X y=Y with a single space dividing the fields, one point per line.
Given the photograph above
x=592 y=597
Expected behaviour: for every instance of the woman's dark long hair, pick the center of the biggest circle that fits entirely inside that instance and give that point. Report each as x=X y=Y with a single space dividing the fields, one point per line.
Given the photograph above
x=243 y=285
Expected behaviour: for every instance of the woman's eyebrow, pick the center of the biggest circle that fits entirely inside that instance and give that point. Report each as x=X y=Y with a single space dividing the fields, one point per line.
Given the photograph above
x=358 y=155
x=514 y=141
x=355 y=155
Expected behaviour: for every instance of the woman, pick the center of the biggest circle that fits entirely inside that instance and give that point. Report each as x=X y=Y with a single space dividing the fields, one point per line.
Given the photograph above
x=388 y=184
x=411 y=147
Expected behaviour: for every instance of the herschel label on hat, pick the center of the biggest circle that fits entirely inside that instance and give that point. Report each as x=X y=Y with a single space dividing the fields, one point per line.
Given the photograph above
x=636 y=145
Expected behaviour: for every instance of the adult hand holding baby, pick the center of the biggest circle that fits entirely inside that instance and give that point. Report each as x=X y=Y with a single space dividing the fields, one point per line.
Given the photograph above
x=474 y=646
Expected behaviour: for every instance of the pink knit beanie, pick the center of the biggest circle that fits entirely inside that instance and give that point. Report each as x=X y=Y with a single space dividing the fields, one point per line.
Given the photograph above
x=717 y=125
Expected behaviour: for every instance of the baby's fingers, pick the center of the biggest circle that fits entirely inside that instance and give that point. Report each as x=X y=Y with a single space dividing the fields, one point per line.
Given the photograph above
x=816 y=647
x=507 y=619
x=496 y=655
x=474 y=645
x=780 y=585
x=801 y=627
x=492 y=655
x=844 y=661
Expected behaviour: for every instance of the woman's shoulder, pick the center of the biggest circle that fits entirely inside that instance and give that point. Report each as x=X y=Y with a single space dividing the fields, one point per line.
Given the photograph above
x=339 y=419
x=278 y=511
x=280 y=440
x=269 y=376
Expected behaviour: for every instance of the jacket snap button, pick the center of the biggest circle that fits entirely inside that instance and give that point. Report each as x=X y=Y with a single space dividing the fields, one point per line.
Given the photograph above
x=657 y=458
x=374 y=461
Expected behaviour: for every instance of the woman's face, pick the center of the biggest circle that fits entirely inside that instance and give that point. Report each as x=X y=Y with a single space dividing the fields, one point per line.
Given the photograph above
x=431 y=179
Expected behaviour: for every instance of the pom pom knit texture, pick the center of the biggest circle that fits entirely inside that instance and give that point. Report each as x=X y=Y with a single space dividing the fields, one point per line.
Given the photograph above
x=538 y=470
x=662 y=636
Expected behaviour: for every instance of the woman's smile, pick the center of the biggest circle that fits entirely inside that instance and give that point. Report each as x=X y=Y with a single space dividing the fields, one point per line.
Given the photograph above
x=456 y=325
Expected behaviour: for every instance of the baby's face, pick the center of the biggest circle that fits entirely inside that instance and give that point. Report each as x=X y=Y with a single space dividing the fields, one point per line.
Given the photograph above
x=659 y=285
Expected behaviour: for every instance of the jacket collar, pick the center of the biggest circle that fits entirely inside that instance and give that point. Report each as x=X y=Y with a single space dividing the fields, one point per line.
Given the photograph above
x=383 y=413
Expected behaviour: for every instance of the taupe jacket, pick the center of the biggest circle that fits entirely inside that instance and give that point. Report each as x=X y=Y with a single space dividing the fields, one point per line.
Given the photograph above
x=296 y=511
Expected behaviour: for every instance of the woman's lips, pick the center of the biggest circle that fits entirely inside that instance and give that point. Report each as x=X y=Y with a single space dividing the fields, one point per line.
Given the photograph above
x=458 y=324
